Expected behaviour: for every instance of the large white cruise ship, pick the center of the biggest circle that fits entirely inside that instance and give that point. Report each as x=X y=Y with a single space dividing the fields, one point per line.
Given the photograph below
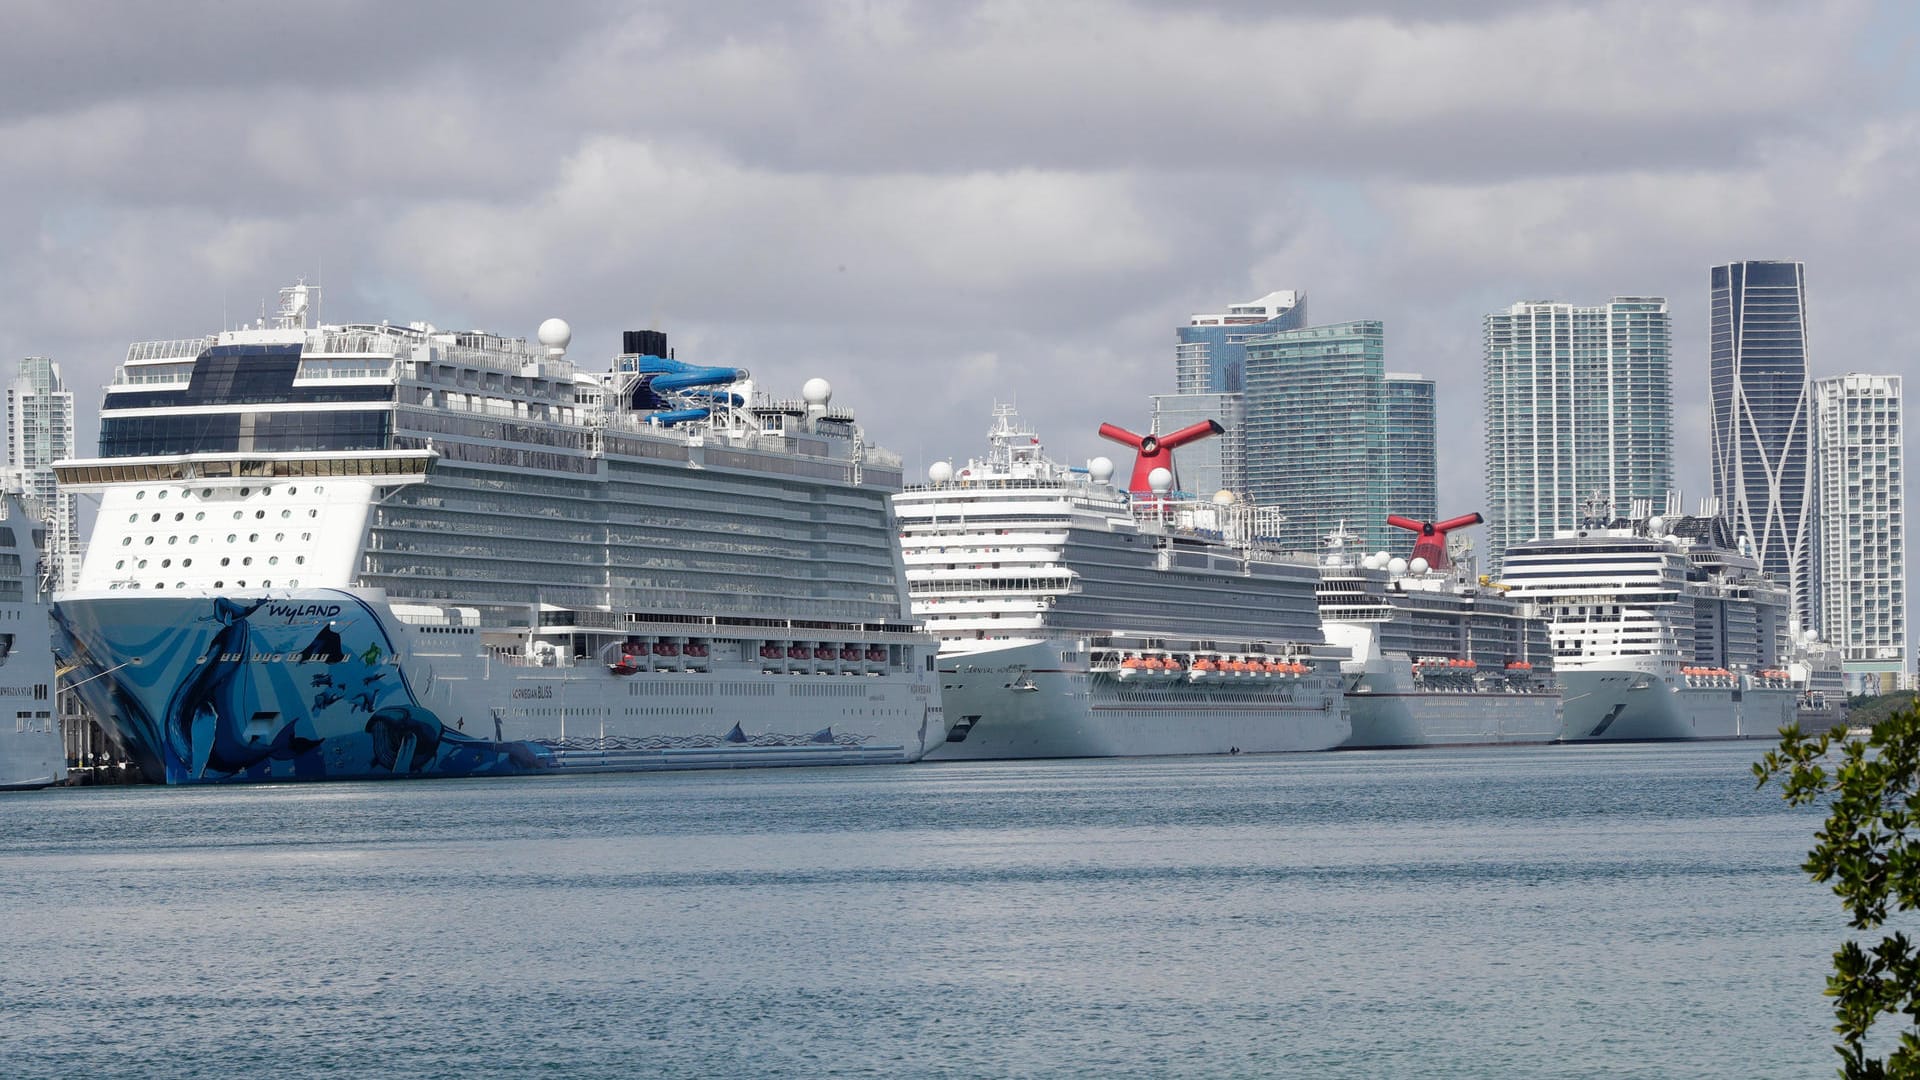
x=1079 y=620
x=31 y=752
x=1662 y=627
x=1438 y=658
x=372 y=550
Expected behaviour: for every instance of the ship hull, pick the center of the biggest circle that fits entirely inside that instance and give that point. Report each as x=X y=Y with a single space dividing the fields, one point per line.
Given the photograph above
x=1387 y=714
x=1635 y=706
x=1023 y=701
x=329 y=684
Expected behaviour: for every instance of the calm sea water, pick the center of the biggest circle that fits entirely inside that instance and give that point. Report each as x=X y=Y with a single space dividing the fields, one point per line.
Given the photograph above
x=1549 y=912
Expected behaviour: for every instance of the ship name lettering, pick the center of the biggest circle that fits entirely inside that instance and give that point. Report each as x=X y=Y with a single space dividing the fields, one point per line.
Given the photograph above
x=529 y=692
x=291 y=612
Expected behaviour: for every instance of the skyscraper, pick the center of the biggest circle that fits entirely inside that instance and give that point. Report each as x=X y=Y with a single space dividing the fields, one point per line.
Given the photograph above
x=1212 y=352
x=40 y=432
x=1579 y=400
x=1317 y=432
x=1762 y=422
x=1861 y=598
x=1412 y=468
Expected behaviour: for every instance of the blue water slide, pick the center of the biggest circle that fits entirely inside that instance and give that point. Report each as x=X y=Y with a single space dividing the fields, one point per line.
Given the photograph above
x=677 y=416
x=670 y=375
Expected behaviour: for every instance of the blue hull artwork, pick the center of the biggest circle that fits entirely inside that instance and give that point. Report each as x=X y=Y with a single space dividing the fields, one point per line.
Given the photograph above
x=205 y=689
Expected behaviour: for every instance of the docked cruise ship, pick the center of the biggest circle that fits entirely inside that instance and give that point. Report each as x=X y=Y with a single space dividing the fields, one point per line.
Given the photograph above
x=371 y=550
x=1079 y=620
x=1438 y=658
x=1662 y=627
x=31 y=752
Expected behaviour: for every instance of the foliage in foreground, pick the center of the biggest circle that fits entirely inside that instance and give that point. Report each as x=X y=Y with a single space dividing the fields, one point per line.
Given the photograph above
x=1869 y=849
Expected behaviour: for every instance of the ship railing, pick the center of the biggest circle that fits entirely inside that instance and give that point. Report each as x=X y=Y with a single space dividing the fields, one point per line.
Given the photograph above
x=156 y=378
x=177 y=349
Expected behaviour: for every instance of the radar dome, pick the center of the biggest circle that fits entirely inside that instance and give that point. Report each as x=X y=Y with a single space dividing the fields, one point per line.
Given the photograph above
x=1418 y=565
x=555 y=333
x=817 y=391
x=1223 y=497
x=1371 y=562
x=1396 y=566
x=1101 y=469
x=1656 y=525
x=939 y=472
x=1160 y=480
x=1813 y=636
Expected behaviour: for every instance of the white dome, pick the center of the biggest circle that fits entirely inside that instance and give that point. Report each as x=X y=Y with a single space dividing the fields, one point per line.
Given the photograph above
x=1656 y=525
x=555 y=333
x=1371 y=562
x=1101 y=469
x=1418 y=565
x=1396 y=566
x=1383 y=557
x=817 y=391
x=939 y=472
x=1160 y=480
x=1223 y=497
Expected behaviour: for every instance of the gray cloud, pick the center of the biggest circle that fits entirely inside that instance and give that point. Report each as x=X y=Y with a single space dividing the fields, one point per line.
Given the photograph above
x=939 y=205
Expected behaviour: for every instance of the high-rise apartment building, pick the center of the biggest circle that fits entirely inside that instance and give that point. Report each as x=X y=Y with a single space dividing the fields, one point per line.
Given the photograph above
x=1860 y=539
x=1211 y=355
x=40 y=432
x=1762 y=420
x=1412 y=465
x=1579 y=401
x=1209 y=465
x=1316 y=425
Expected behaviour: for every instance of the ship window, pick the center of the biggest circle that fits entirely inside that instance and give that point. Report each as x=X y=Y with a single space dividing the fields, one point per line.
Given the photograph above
x=201 y=516
x=141 y=565
x=231 y=537
x=244 y=492
x=186 y=563
x=173 y=539
x=236 y=515
x=132 y=518
x=277 y=537
x=159 y=584
x=141 y=494
x=219 y=584
x=194 y=539
x=179 y=584
x=295 y=583
x=148 y=540
x=299 y=560
x=293 y=491
x=248 y=561
x=166 y=562
x=155 y=517
x=264 y=583
x=286 y=513
x=273 y=560
x=266 y=491
x=253 y=538
x=306 y=536
x=206 y=493
x=313 y=513
x=225 y=561
x=163 y=493
x=125 y=540
x=259 y=513
x=179 y=517
x=118 y=565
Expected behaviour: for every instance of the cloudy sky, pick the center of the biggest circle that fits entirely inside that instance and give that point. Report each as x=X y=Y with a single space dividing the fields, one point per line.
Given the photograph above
x=941 y=204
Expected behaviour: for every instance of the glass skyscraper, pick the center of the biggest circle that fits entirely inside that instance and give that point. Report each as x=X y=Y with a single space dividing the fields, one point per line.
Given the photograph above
x=1861 y=527
x=1579 y=401
x=1762 y=420
x=39 y=433
x=1317 y=445
x=1211 y=355
x=1412 y=468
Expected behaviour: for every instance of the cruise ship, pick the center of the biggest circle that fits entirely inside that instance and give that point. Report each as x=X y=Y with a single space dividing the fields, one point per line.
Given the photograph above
x=32 y=754
x=1439 y=659
x=373 y=550
x=1663 y=626
x=1077 y=619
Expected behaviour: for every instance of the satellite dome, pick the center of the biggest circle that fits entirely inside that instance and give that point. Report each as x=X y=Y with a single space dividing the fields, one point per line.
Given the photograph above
x=1418 y=565
x=1383 y=557
x=1656 y=525
x=555 y=333
x=1101 y=469
x=1813 y=636
x=939 y=472
x=817 y=391
x=1396 y=566
x=1160 y=480
x=1223 y=497
x=1371 y=562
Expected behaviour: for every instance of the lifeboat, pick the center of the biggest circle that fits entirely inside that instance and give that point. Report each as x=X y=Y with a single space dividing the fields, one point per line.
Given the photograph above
x=823 y=653
x=1130 y=667
x=666 y=648
x=1202 y=668
x=876 y=655
x=1519 y=665
x=798 y=652
x=629 y=658
x=772 y=652
x=695 y=649
x=849 y=653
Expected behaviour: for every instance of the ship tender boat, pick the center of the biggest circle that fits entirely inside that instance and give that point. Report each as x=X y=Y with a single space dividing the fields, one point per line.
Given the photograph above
x=1438 y=658
x=32 y=754
x=1663 y=626
x=369 y=550
x=1079 y=620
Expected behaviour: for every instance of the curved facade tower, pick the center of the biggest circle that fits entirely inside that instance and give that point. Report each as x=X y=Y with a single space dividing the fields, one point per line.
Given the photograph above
x=1762 y=419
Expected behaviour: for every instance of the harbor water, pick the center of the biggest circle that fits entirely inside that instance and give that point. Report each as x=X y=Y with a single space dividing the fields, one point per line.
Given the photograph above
x=1620 y=911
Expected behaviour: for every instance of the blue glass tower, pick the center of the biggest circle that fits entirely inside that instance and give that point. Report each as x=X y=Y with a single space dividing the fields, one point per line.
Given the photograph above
x=1211 y=356
x=1763 y=420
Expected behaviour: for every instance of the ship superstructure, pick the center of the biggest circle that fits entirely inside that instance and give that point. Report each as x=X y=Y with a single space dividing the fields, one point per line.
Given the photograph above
x=32 y=754
x=1080 y=620
x=1438 y=658
x=1663 y=626
x=373 y=549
